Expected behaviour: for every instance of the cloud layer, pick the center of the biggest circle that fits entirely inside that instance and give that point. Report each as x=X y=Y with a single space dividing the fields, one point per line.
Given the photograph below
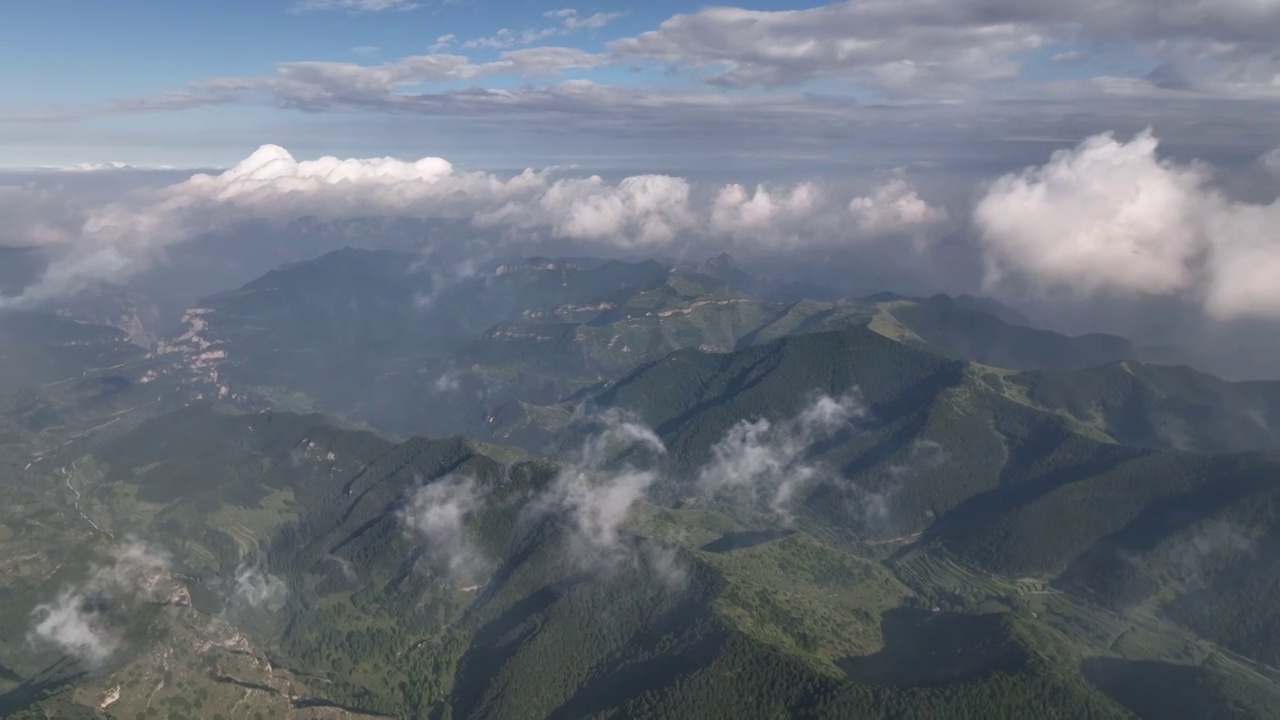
x=112 y=240
x=951 y=47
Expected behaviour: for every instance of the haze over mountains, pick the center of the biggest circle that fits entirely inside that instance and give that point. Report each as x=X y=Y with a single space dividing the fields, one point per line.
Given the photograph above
x=503 y=359
x=366 y=485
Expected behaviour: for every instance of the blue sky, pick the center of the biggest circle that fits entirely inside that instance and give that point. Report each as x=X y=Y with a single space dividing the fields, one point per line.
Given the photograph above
x=138 y=81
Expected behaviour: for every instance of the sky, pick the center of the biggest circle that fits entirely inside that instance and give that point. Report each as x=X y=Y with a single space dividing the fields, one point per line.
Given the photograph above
x=1098 y=153
x=504 y=84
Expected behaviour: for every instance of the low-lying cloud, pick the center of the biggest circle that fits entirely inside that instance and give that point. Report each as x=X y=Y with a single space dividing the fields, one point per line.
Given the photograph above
x=256 y=588
x=87 y=620
x=765 y=466
x=436 y=514
x=594 y=491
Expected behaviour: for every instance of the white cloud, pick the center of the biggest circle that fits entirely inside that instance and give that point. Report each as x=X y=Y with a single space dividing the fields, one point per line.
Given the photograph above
x=436 y=513
x=895 y=207
x=764 y=466
x=1112 y=217
x=358 y=6
x=257 y=588
x=38 y=216
x=808 y=215
x=573 y=21
x=595 y=494
x=114 y=239
x=569 y=21
x=640 y=211
x=1106 y=214
x=449 y=382
x=443 y=42
x=506 y=38
x=315 y=85
x=1271 y=162
x=86 y=620
x=916 y=45
x=950 y=46
x=756 y=215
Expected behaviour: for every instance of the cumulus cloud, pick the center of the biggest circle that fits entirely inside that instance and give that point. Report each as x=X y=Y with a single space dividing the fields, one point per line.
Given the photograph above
x=765 y=466
x=757 y=215
x=893 y=207
x=595 y=493
x=112 y=240
x=1112 y=217
x=809 y=215
x=87 y=620
x=640 y=211
x=436 y=513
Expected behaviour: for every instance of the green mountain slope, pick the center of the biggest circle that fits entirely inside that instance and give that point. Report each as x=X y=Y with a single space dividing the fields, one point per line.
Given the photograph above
x=959 y=329
x=960 y=457
x=373 y=623
x=1158 y=406
x=414 y=347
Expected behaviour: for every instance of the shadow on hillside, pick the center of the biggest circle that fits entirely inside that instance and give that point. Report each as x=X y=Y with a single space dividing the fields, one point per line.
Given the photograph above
x=1158 y=690
x=33 y=691
x=682 y=642
x=498 y=642
x=743 y=540
x=1023 y=480
x=925 y=648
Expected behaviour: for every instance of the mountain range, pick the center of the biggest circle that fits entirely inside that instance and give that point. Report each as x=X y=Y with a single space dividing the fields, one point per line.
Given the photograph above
x=373 y=485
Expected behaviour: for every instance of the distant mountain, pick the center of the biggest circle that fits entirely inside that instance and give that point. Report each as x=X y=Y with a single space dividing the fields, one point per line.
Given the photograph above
x=415 y=347
x=975 y=329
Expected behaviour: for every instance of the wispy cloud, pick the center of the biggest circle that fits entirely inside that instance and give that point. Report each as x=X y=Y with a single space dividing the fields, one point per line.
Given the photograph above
x=568 y=21
x=594 y=492
x=764 y=466
x=355 y=6
x=436 y=514
x=87 y=620
x=255 y=587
